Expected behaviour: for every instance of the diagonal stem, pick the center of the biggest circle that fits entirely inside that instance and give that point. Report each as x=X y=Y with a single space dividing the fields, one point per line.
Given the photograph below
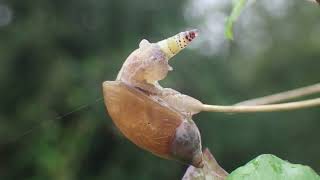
x=283 y=96
x=262 y=108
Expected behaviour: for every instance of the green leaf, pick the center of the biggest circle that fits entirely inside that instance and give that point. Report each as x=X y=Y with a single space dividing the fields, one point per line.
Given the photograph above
x=266 y=167
x=238 y=6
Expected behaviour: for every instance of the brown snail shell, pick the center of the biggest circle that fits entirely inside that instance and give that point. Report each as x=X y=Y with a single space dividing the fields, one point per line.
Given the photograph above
x=152 y=125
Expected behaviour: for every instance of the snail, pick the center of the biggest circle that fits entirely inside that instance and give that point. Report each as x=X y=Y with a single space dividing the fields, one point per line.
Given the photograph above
x=154 y=118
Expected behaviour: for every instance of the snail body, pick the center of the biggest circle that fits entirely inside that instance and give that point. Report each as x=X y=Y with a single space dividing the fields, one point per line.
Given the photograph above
x=151 y=125
x=154 y=118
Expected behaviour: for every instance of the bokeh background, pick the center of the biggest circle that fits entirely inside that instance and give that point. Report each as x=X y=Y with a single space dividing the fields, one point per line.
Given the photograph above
x=54 y=55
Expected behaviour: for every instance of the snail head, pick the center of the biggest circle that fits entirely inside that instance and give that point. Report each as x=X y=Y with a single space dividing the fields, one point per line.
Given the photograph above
x=149 y=63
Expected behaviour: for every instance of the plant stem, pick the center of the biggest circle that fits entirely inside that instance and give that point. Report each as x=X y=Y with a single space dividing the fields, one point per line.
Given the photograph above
x=262 y=108
x=283 y=96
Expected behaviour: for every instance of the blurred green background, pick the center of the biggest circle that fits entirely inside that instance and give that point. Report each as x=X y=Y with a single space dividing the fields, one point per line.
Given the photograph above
x=54 y=55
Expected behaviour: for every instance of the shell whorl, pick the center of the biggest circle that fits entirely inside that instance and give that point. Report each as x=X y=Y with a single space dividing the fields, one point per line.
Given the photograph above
x=173 y=45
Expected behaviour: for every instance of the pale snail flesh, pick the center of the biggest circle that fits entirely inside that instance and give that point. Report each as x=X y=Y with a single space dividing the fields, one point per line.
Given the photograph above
x=156 y=119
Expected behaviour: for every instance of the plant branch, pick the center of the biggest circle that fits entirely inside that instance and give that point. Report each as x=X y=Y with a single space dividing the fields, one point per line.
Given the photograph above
x=262 y=108
x=283 y=96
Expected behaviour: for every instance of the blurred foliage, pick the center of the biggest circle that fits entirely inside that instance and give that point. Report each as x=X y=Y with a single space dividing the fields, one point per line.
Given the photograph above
x=235 y=13
x=54 y=55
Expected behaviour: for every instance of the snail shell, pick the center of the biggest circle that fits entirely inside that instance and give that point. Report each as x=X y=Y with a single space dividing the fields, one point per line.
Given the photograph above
x=154 y=118
x=152 y=125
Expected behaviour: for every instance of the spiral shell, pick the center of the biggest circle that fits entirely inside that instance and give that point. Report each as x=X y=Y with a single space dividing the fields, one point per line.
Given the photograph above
x=157 y=121
x=151 y=125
